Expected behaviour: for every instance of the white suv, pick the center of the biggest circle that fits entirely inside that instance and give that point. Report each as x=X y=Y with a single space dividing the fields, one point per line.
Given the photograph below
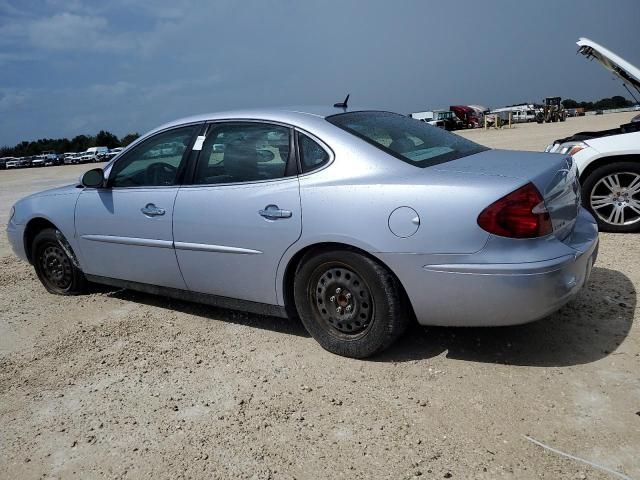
x=608 y=160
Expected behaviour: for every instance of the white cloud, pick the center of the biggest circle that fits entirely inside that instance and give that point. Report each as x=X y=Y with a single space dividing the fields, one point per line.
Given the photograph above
x=8 y=9
x=111 y=90
x=68 y=5
x=10 y=99
x=68 y=31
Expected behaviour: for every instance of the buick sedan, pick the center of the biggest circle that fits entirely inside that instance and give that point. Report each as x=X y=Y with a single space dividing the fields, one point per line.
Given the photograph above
x=357 y=222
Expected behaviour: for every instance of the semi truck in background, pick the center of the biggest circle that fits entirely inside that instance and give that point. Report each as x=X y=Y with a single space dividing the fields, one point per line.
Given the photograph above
x=467 y=116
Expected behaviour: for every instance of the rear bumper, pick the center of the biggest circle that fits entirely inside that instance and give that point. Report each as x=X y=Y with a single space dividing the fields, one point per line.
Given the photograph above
x=497 y=294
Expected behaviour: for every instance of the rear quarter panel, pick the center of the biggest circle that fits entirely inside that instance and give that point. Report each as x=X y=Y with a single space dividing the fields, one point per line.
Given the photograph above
x=350 y=202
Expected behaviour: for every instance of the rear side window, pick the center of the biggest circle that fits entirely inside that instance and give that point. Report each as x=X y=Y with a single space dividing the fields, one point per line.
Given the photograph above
x=409 y=140
x=243 y=152
x=312 y=155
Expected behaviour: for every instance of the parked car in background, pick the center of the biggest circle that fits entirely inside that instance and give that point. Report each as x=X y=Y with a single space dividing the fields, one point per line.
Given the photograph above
x=355 y=222
x=97 y=150
x=451 y=121
x=25 y=162
x=90 y=156
x=440 y=118
x=4 y=160
x=608 y=160
x=112 y=153
x=67 y=156
x=51 y=158
x=38 y=161
x=73 y=158
x=519 y=113
x=14 y=163
x=427 y=117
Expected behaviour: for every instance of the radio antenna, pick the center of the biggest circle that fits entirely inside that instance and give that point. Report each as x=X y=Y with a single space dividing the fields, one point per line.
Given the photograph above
x=342 y=104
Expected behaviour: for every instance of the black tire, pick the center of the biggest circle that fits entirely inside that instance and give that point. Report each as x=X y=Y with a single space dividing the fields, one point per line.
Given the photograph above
x=328 y=280
x=592 y=185
x=53 y=266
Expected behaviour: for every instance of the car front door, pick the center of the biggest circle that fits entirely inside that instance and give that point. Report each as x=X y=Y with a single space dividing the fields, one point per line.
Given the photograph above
x=233 y=224
x=125 y=229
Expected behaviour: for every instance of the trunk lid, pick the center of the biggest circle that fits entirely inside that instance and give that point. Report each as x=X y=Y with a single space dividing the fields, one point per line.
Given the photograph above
x=555 y=176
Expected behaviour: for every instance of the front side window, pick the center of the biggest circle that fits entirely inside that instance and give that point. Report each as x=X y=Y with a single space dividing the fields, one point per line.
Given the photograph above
x=312 y=155
x=416 y=143
x=154 y=162
x=243 y=152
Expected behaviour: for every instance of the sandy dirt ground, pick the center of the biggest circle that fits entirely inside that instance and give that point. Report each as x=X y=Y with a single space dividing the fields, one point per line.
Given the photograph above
x=117 y=384
x=532 y=136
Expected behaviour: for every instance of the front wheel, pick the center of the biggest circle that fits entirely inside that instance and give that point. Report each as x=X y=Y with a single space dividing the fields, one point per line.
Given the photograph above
x=349 y=303
x=612 y=194
x=53 y=265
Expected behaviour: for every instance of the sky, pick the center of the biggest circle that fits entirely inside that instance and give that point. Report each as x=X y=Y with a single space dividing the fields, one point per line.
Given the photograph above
x=70 y=67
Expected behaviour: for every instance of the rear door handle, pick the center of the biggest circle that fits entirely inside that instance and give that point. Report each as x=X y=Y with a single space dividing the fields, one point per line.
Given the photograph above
x=273 y=212
x=150 y=210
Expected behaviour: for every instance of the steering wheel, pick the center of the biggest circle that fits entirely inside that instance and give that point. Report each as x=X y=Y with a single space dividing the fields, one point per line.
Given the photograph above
x=160 y=174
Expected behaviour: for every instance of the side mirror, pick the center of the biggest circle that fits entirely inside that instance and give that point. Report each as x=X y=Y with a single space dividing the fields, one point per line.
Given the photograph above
x=93 y=178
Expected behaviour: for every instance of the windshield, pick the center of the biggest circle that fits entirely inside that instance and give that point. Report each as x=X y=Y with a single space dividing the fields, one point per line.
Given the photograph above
x=410 y=140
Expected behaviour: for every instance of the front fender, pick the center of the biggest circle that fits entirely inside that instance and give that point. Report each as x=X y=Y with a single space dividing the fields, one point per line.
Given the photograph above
x=56 y=207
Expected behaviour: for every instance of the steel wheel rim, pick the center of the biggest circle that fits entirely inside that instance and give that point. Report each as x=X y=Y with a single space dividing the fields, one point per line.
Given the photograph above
x=341 y=299
x=56 y=267
x=615 y=198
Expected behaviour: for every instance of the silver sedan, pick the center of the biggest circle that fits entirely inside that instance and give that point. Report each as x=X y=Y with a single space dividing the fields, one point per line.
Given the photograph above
x=356 y=222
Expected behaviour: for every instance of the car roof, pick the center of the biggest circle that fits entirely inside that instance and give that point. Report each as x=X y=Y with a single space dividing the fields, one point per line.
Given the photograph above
x=291 y=115
x=311 y=118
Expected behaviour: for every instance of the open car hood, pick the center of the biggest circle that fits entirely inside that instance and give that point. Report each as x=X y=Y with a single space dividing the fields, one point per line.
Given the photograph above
x=619 y=66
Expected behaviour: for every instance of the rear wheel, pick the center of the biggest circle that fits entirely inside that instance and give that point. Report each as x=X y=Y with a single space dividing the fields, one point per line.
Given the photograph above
x=612 y=194
x=349 y=303
x=54 y=267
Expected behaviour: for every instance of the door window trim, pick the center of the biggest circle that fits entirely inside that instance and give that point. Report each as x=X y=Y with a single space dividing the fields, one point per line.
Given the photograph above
x=184 y=161
x=291 y=167
x=323 y=145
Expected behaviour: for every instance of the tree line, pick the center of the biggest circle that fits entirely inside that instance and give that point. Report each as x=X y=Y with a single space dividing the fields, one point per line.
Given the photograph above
x=79 y=143
x=616 y=101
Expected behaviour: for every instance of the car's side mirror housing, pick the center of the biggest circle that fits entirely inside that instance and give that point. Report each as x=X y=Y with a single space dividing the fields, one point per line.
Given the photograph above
x=93 y=178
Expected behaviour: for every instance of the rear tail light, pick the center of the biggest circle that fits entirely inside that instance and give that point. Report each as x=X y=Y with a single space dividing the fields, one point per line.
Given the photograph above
x=521 y=214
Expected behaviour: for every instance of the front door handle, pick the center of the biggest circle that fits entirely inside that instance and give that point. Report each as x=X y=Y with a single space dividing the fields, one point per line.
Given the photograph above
x=273 y=212
x=150 y=210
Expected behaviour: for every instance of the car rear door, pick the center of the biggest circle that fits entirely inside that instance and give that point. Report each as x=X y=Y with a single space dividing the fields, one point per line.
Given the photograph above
x=125 y=230
x=242 y=211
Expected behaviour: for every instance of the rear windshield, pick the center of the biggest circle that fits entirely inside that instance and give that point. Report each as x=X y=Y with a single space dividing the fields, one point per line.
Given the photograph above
x=410 y=140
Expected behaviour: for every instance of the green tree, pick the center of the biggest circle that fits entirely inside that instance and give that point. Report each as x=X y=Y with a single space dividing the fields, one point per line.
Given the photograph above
x=107 y=139
x=80 y=143
x=570 y=103
x=128 y=138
